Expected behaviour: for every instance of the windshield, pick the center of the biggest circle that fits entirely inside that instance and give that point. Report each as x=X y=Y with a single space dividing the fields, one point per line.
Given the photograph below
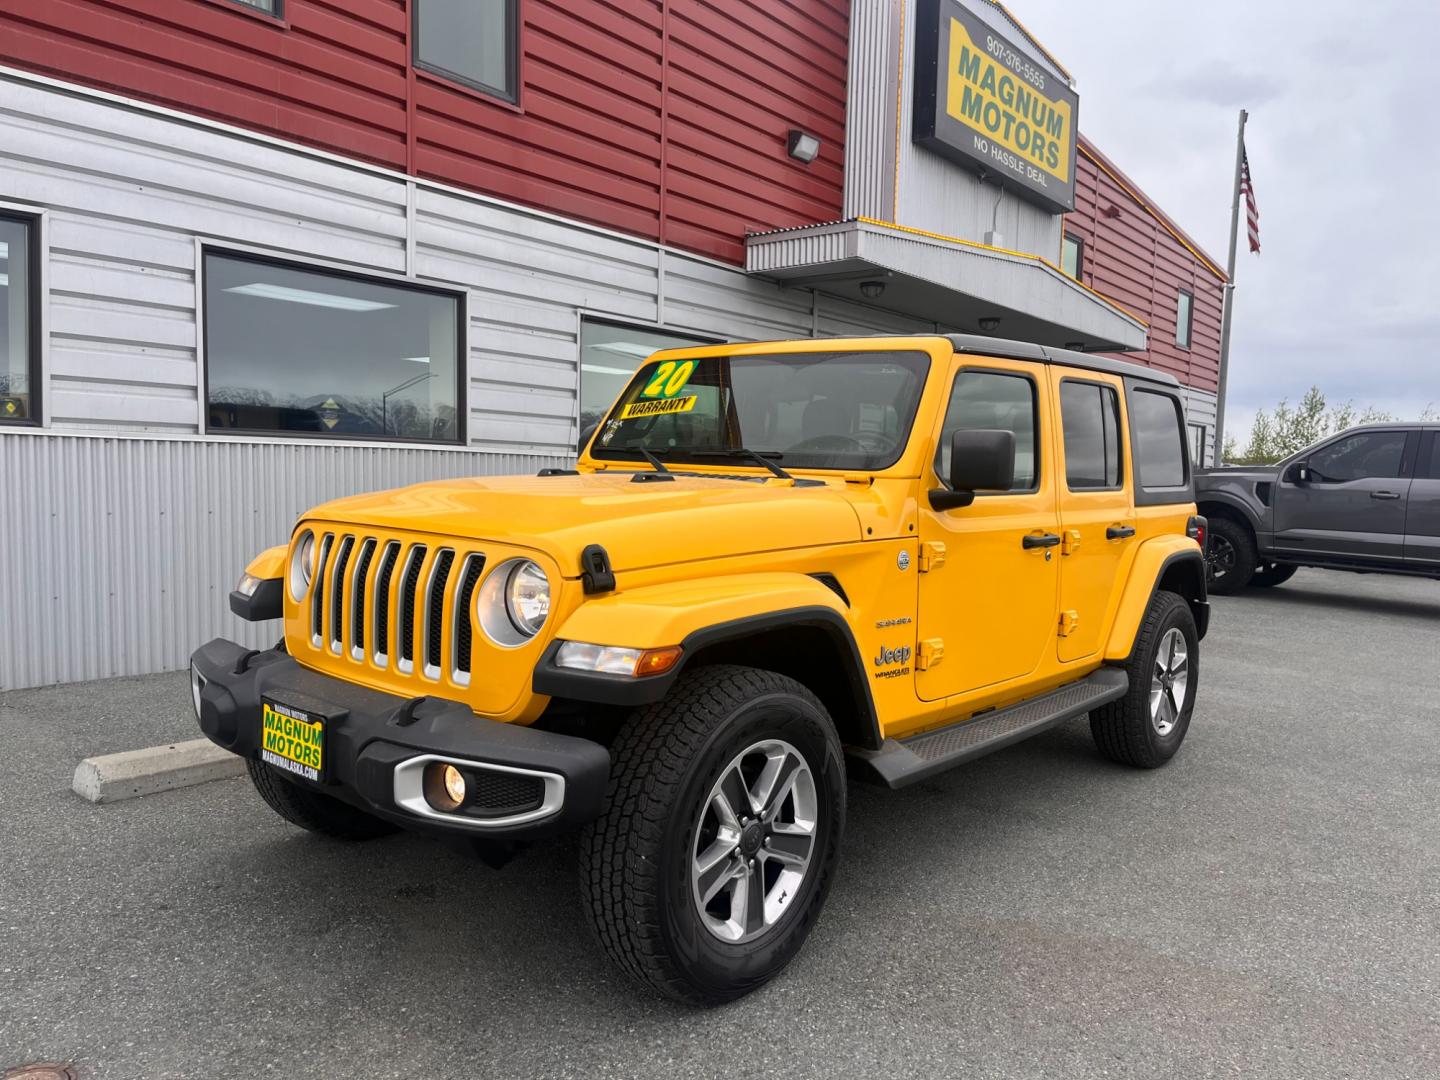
x=813 y=410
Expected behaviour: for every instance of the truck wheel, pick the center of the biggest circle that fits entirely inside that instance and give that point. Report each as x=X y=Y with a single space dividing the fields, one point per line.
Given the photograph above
x=1146 y=726
x=314 y=810
x=717 y=846
x=1230 y=556
x=1268 y=575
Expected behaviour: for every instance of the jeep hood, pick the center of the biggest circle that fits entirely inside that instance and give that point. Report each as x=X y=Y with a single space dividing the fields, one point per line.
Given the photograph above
x=639 y=524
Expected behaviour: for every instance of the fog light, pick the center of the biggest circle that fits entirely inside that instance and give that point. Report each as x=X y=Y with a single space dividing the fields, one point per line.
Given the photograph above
x=248 y=584
x=445 y=787
x=616 y=660
x=197 y=683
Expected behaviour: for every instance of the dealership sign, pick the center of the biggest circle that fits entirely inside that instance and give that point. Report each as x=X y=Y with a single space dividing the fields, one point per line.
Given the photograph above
x=987 y=105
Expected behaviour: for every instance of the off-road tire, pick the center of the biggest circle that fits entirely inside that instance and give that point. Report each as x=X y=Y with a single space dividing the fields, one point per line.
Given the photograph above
x=1238 y=574
x=635 y=860
x=1123 y=730
x=1268 y=575
x=313 y=810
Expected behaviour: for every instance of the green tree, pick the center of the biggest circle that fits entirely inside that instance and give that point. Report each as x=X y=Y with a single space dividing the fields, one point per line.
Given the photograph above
x=1285 y=429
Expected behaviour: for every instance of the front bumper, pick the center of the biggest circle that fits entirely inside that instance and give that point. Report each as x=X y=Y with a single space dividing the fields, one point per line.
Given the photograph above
x=376 y=743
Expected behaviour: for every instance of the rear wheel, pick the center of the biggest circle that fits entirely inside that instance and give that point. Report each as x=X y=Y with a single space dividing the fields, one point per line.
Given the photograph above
x=1230 y=556
x=314 y=810
x=1146 y=727
x=1268 y=575
x=714 y=855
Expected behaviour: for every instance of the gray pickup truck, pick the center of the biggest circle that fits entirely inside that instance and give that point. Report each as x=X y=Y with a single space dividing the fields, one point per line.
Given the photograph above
x=1366 y=500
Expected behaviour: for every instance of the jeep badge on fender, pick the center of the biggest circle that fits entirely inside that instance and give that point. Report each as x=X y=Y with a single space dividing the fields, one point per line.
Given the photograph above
x=677 y=647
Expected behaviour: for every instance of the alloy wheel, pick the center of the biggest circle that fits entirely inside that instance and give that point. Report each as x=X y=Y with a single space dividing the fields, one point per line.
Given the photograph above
x=754 y=841
x=1169 y=681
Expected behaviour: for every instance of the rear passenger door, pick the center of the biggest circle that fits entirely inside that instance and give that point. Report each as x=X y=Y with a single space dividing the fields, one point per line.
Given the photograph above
x=1352 y=502
x=1097 y=517
x=1422 y=509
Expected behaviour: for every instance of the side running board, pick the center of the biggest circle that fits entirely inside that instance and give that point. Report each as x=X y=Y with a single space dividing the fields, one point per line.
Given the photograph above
x=899 y=763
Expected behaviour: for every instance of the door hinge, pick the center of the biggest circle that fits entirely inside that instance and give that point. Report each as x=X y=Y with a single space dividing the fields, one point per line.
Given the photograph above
x=932 y=556
x=1069 y=541
x=1069 y=620
x=930 y=653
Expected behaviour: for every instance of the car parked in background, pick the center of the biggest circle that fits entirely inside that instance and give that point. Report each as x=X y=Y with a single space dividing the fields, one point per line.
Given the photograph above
x=1366 y=500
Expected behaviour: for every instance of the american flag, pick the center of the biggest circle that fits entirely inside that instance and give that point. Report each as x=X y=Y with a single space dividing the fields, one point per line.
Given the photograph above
x=1252 y=212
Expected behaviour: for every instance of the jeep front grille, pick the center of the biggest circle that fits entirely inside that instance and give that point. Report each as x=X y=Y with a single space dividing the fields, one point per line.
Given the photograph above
x=396 y=605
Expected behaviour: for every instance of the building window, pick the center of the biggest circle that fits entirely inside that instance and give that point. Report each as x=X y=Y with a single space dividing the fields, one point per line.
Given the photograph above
x=294 y=350
x=1184 y=319
x=19 y=322
x=269 y=7
x=1197 y=444
x=1072 y=255
x=475 y=42
x=610 y=353
x=1159 y=445
x=1090 y=417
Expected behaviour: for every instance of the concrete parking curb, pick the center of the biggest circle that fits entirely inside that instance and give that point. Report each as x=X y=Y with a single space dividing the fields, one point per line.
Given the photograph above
x=113 y=777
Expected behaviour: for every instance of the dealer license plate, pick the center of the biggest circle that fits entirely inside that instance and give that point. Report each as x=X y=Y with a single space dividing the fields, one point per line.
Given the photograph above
x=292 y=739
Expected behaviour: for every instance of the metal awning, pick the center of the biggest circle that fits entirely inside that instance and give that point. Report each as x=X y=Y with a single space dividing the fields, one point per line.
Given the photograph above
x=953 y=283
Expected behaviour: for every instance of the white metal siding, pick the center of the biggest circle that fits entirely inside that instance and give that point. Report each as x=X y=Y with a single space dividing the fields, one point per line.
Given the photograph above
x=131 y=526
x=934 y=193
x=122 y=551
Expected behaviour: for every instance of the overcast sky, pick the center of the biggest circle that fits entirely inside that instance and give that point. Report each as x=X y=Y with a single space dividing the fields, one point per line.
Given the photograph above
x=1344 y=148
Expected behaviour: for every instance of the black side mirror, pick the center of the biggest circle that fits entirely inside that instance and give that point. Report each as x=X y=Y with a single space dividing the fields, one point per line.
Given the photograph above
x=980 y=460
x=1299 y=473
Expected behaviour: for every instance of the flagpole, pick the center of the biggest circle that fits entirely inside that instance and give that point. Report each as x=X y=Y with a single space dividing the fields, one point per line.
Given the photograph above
x=1229 y=296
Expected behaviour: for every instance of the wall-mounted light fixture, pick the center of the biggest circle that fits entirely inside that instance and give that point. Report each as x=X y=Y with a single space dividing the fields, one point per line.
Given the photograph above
x=990 y=323
x=803 y=147
x=872 y=289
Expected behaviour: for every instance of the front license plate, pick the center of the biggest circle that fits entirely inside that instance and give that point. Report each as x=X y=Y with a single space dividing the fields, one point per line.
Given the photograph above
x=293 y=740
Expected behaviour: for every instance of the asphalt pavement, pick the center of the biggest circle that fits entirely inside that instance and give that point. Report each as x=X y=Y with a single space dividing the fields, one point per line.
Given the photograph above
x=1268 y=905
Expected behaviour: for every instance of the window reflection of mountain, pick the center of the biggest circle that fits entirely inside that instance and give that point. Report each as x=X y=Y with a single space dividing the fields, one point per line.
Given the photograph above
x=342 y=414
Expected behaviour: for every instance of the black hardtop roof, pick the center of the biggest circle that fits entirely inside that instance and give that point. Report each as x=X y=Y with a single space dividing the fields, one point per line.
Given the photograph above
x=1048 y=354
x=1007 y=349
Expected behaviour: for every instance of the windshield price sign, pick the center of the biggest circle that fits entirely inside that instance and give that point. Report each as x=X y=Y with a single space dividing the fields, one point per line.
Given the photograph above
x=991 y=107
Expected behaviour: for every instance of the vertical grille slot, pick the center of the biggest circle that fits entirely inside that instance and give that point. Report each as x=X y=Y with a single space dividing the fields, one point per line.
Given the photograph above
x=408 y=584
x=317 y=592
x=337 y=593
x=469 y=578
x=434 y=613
x=360 y=600
x=380 y=597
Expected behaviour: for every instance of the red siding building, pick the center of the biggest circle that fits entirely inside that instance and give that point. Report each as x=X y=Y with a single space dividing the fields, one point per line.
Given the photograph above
x=300 y=248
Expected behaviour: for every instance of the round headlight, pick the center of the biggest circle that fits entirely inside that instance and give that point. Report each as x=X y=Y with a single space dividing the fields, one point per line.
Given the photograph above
x=302 y=566
x=527 y=598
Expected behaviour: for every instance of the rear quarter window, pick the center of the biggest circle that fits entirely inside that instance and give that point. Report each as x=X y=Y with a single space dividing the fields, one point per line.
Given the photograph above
x=1158 y=435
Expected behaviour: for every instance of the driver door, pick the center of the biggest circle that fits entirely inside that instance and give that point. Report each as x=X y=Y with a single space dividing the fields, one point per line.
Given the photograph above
x=1353 y=501
x=993 y=603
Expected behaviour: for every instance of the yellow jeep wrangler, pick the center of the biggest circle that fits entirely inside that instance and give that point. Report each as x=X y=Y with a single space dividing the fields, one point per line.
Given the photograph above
x=774 y=564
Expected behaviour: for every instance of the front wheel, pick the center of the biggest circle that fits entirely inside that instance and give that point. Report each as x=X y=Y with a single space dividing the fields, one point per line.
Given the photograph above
x=716 y=849
x=1230 y=556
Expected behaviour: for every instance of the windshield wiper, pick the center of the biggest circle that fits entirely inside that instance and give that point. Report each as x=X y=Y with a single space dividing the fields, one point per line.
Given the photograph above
x=745 y=453
x=660 y=473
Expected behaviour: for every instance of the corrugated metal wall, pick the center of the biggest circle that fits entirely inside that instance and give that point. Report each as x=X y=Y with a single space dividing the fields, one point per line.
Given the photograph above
x=121 y=552
x=1132 y=257
x=666 y=119
x=924 y=191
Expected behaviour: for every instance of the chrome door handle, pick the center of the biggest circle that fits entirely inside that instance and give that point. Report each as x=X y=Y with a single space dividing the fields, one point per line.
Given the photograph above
x=1119 y=532
x=1039 y=540
x=1384 y=495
